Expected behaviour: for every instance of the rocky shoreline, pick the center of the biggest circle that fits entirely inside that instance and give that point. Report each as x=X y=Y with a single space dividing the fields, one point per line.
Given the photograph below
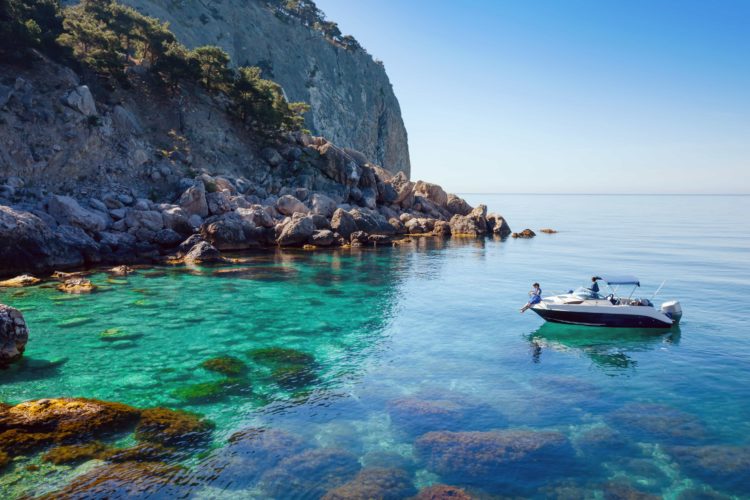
x=356 y=204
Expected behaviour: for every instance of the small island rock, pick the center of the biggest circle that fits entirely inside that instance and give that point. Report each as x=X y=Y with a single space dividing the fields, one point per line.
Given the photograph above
x=13 y=335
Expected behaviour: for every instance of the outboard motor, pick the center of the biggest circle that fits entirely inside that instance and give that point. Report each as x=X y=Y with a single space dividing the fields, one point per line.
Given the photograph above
x=673 y=310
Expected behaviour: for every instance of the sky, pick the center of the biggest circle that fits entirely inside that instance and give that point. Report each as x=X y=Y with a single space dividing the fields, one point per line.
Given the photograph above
x=567 y=96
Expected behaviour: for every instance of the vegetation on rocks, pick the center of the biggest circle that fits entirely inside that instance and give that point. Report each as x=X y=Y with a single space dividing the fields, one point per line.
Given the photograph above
x=226 y=365
x=172 y=427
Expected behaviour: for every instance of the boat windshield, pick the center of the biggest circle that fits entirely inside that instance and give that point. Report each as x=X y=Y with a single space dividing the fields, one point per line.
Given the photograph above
x=585 y=293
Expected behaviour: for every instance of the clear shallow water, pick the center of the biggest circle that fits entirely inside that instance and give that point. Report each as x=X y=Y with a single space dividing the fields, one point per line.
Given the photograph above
x=428 y=338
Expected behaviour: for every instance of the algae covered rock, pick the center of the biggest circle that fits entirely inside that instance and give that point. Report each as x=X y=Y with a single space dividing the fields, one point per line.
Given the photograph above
x=724 y=467
x=293 y=376
x=124 y=480
x=172 y=427
x=281 y=355
x=248 y=454
x=442 y=492
x=495 y=457
x=226 y=365
x=77 y=286
x=656 y=421
x=210 y=392
x=75 y=453
x=376 y=482
x=13 y=335
x=310 y=474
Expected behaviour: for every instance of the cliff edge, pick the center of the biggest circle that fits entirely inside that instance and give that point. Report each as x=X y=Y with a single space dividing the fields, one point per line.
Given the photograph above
x=352 y=100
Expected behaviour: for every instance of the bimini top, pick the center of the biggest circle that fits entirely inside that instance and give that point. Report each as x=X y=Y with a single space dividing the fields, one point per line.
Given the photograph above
x=621 y=280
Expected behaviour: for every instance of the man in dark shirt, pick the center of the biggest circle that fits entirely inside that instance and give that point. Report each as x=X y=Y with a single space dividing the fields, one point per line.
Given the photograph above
x=594 y=286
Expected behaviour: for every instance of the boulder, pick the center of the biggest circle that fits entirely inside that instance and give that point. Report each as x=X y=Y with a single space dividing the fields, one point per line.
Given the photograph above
x=397 y=225
x=13 y=335
x=474 y=224
x=369 y=198
x=496 y=225
x=296 y=231
x=370 y=222
x=176 y=219
x=218 y=203
x=337 y=165
x=343 y=223
x=272 y=156
x=432 y=192
x=442 y=492
x=167 y=238
x=442 y=228
x=202 y=252
x=147 y=219
x=321 y=222
x=193 y=200
x=121 y=270
x=20 y=281
x=121 y=242
x=257 y=215
x=526 y=233
x=289 y=205
x=457 y=205
x=27 y=242
x=322 y=238
x=229 y=232
x=375 y=482
x=76 y=239
x=66 y=210
x=81 y=100
x=323 y=205
x=77 y=286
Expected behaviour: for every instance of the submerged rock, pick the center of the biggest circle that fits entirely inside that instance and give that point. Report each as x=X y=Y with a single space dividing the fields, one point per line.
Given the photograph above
x=248 y=455
x=172 y=427
x=497 y=457
x=226 y=365
x=13 y=335
x=375 y=482
x=442 y=492
x=124 y=480
x=724 y=467
x=659 y=422
x=281 y=355
x=210 y=392
x=293 y=376
x=76 y=453
x=310 y=474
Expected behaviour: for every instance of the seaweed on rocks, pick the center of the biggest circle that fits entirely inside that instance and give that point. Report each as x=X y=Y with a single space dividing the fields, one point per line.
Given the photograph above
x=658 y=422
x=172 y=427
x=225 y=365
x=376 y=482
x=293 y=376
x=76 y=453
x=442 y=492
x=281 y=355
x=210 y=392
x=722 y=466
x=248 y=454
x=496 y=458
x=311 y=473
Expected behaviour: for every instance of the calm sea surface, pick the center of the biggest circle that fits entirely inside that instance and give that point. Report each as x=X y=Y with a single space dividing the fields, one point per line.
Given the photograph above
x=427 y=338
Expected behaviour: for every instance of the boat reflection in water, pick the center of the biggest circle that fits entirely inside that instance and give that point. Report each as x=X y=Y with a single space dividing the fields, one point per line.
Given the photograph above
x=612 y=349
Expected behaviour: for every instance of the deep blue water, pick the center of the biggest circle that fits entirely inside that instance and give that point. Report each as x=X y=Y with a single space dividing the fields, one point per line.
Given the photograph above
x=428 y=337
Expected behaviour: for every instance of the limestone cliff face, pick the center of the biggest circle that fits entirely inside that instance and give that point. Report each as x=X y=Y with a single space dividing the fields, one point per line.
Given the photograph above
x=352 y=100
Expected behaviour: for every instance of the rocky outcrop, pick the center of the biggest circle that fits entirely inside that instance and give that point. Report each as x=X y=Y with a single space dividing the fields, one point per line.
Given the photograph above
x=13 y=335
x=352 y=100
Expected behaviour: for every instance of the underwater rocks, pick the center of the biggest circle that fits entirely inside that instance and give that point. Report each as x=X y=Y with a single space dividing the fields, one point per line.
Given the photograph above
x=442 y=492
x=76 y=453
x=496 y=457
x=77 y=286
x=417 y=416
x=225 y=365
x=310 y=474
x=248 y=455
x=289 y=369
x=210 y=392
x=724 y=467
x=124 y=480
x=658 y=422
x=376 y=482
x=13 y=335
x=172 y=427
x=281 y=355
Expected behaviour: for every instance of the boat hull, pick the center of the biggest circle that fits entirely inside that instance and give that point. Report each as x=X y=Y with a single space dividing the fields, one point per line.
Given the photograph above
x=607 y=319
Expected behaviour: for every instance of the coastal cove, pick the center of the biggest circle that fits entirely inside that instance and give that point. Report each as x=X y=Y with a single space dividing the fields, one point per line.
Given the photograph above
x=404 y=364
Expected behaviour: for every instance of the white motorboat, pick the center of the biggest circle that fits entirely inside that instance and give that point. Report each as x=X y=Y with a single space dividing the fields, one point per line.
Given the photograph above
x=586 y=307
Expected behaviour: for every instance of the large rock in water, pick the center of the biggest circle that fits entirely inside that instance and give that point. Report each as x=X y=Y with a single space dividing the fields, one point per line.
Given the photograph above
x=474 y=224
x=230 y=232
x=13 y=335
x=343 y=223
x=352 y=101
x=26 y=242
x=296 y=231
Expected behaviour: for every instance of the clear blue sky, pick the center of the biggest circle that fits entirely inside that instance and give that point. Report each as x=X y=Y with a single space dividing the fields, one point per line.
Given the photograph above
x=567 y=96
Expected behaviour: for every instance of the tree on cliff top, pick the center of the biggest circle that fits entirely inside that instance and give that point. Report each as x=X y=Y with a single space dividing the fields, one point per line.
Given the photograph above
x=26 y=24
x=214 y=67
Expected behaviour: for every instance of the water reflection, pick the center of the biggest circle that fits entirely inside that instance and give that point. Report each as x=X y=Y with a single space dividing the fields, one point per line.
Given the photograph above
x=613 y=350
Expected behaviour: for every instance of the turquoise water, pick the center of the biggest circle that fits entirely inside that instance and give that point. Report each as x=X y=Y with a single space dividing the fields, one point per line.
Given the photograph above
x=428 y=337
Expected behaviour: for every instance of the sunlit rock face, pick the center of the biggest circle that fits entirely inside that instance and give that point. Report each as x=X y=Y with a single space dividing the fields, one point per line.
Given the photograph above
x=352 y=101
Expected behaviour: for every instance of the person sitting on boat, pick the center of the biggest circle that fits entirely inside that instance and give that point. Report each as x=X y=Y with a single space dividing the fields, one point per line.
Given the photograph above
x=594 y=286
x=535 y=296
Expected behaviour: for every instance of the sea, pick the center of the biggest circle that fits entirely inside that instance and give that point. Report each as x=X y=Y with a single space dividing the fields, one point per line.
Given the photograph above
x=382 y=372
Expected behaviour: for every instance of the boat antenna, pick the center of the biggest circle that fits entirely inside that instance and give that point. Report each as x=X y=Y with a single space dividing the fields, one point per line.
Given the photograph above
x=658 y=289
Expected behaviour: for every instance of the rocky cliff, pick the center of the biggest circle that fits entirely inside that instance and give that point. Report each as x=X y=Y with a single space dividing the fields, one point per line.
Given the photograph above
x=352 y=100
